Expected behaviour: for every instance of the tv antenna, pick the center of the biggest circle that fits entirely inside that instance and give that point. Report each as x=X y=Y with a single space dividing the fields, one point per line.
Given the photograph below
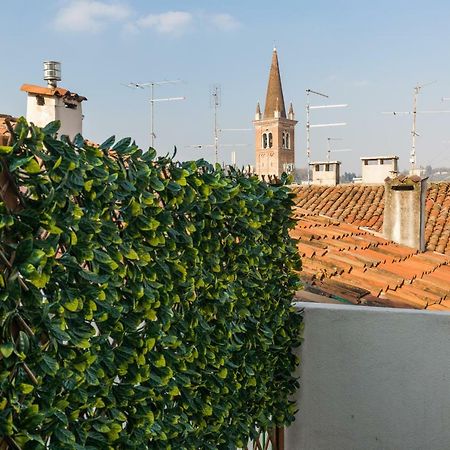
x=330 y=150
x=414 y=112
x=320 y=125
x=215 y=100
x=153 y=100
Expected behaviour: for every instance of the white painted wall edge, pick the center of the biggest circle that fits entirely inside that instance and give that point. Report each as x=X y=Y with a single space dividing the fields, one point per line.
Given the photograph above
x=372 y=378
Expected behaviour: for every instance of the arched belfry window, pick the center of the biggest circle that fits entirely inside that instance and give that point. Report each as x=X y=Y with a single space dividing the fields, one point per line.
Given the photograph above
x=285 y=140
x=267 y=140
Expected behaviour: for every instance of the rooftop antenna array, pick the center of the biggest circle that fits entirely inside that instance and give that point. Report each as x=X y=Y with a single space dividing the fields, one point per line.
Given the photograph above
x=153 y=100
x=320 y=125
x=414 y=112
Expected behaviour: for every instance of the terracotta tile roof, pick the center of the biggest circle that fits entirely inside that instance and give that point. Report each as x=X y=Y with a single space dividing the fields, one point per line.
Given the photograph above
x=363 y=205
x=347 y=263
x=52 y=92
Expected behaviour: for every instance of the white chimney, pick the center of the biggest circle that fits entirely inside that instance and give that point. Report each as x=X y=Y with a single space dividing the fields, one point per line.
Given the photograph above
x=376 y=168
x=404 y=210
x=325 y=173
x=46 y=104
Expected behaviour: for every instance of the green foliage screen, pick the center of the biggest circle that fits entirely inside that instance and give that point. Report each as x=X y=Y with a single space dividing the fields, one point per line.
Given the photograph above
x=144 y=303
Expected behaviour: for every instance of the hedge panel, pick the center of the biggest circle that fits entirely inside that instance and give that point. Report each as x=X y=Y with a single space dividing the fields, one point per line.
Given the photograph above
x=144 y=303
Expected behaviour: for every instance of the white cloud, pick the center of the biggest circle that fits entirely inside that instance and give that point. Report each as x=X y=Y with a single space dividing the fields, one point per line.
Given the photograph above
x=171 y=22
x=95 y=15
x=224 y=21
x=89 y=15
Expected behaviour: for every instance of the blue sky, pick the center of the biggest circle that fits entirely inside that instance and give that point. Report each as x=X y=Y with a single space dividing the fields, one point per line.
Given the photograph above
x=367 y=54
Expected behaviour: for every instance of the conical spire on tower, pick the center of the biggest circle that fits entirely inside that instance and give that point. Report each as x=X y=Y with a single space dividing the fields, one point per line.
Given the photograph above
x=258 y=112
x=274 y=96
x=291 y=114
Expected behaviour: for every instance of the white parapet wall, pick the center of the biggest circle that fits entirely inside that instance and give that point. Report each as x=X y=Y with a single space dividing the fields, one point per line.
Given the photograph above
x=372 y=378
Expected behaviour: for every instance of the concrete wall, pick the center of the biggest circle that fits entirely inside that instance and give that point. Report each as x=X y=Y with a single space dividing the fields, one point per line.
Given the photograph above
x=372 y=378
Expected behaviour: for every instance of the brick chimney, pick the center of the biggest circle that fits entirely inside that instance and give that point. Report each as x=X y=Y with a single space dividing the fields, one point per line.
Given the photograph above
x=404 y=210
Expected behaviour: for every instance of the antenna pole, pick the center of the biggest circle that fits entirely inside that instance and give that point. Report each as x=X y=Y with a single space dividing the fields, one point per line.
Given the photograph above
x=152 y=85
x=412 y=159
x=152 y=115
x=216 y=135
x=309 y=126
x=308 y=135
x=233 y=158
x=215 y=97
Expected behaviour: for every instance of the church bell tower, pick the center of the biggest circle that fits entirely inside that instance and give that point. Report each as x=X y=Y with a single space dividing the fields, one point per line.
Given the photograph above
x=274 y=131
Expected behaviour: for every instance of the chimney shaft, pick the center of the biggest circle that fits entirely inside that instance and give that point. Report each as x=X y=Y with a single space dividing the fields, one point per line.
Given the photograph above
x=404 y=211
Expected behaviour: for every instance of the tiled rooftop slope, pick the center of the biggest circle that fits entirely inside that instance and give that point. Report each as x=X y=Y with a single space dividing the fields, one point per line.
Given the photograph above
x=347 y=263
x=363 y=205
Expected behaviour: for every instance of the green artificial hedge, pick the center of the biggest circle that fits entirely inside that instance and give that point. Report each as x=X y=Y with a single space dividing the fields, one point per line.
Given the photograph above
x=144 y=303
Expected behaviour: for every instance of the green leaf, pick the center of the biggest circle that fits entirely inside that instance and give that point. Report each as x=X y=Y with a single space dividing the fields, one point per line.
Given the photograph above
x=25 y=388
x=156 y=184
x=32 y=167
x=24 y=343
x=52 y=127
x=57 y=163
x=108 y=143
x=6 y=349
x=71 y=305
x=122 y=145
x=24 y=250
x=150 y=154
x=78 y=140
x=5 y=149
x=49 y=365
x=17 y=163
x=64 y=436
x=94 y=277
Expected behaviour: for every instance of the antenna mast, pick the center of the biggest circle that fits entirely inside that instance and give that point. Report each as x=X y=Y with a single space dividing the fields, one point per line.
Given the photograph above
x=153 y=100
x=215 y=98
x=414 y=113
x=412 y=158
x=309 y=126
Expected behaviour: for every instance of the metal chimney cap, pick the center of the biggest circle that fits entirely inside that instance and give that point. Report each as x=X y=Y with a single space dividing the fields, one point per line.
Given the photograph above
x=52 y=72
